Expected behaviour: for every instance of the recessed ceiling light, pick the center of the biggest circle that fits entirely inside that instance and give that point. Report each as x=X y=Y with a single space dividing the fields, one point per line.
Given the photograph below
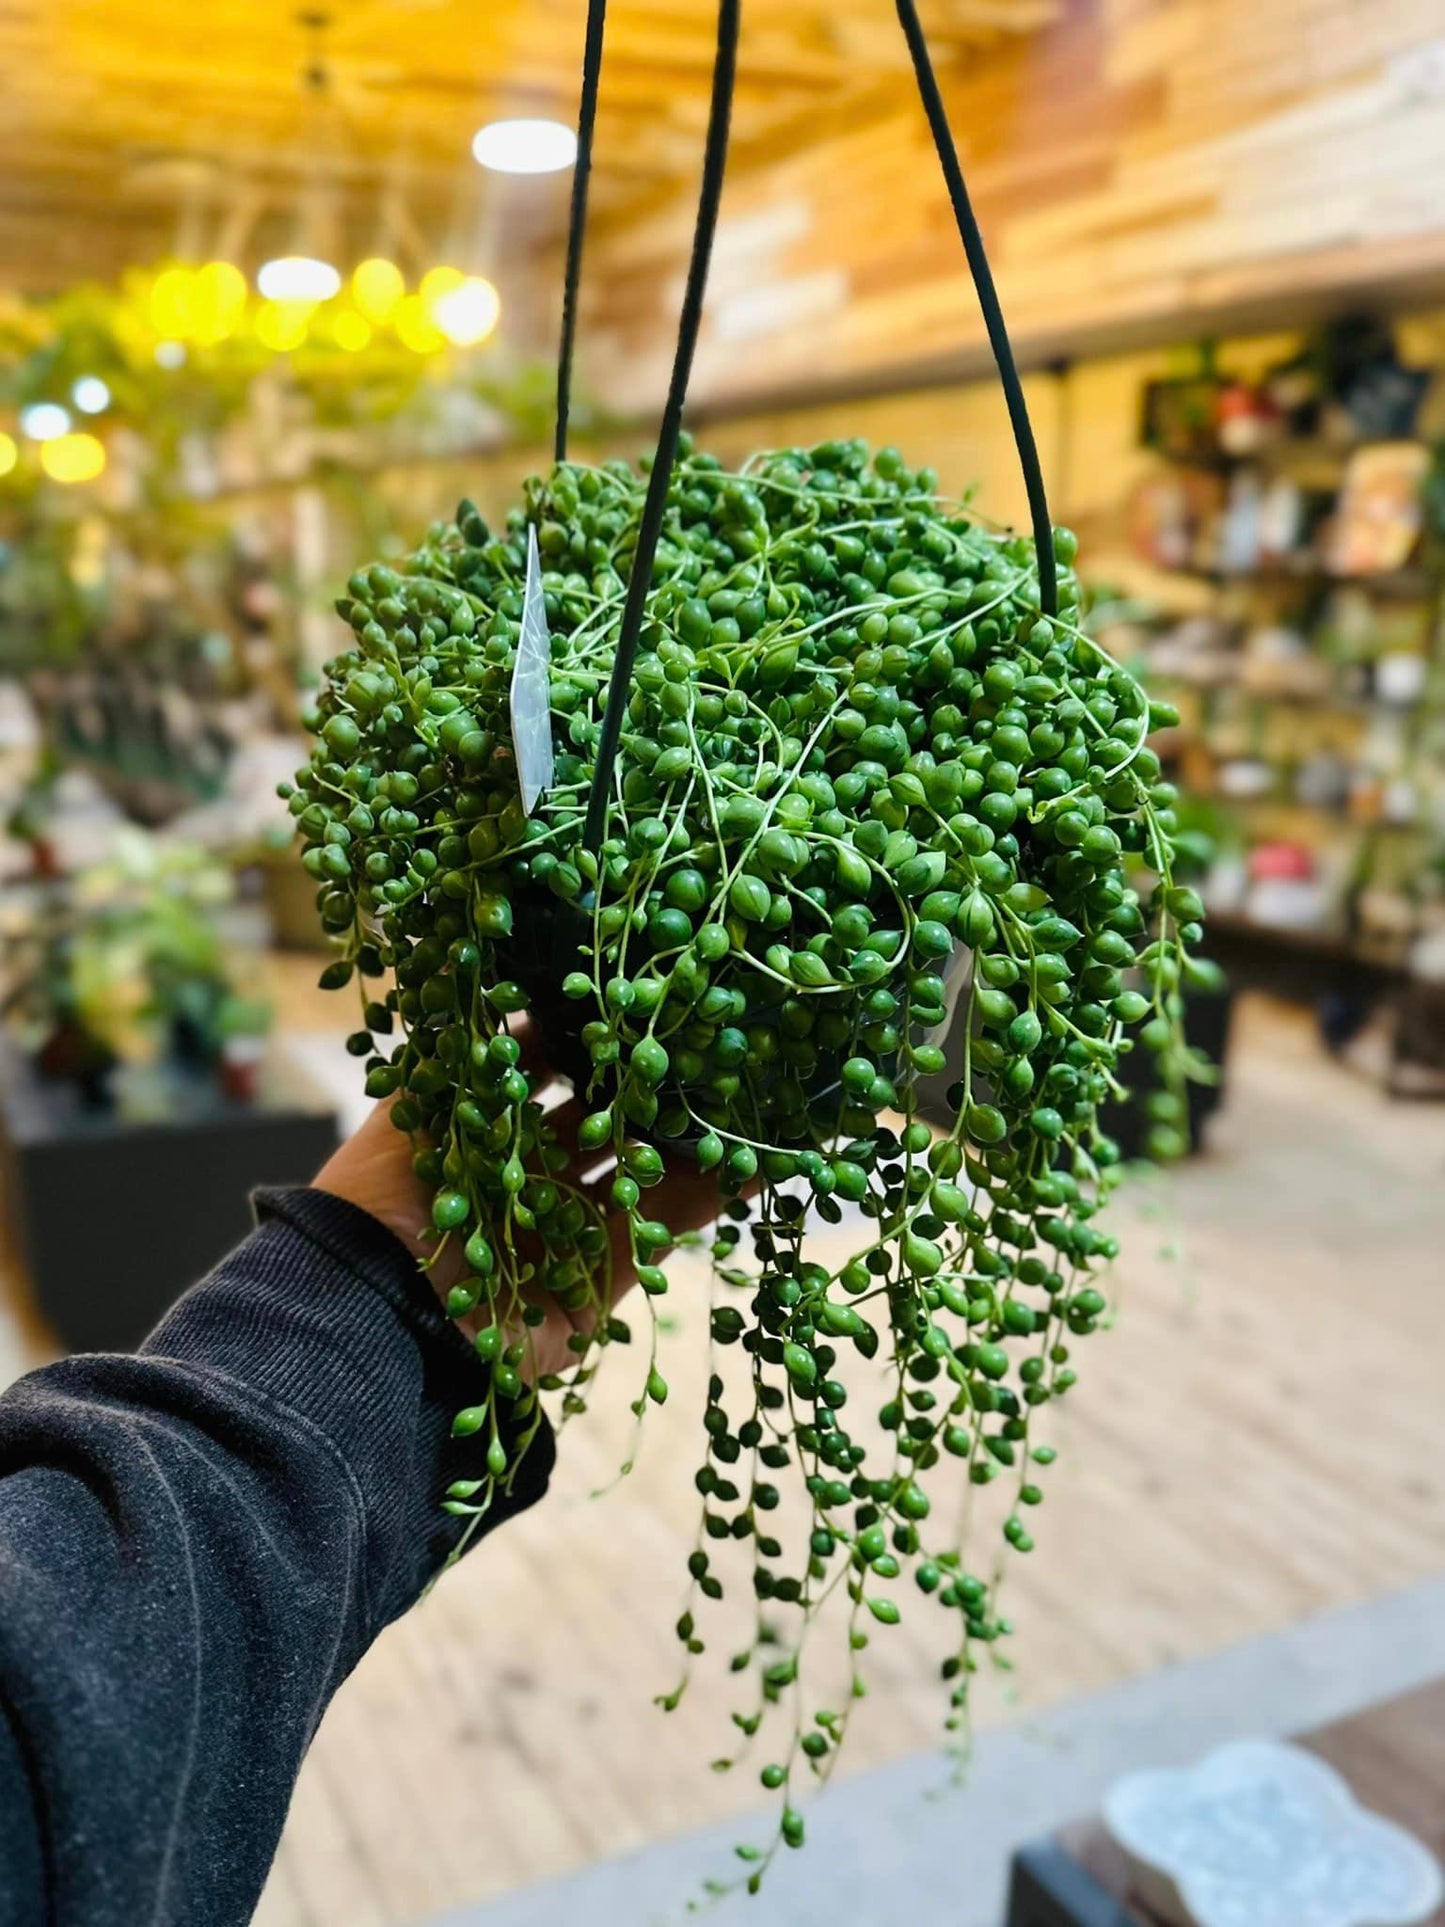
x=42 y=421
x=525 y=146
x=298 y=277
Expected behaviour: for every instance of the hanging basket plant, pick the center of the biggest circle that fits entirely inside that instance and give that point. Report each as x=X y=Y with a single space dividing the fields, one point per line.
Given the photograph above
x=820 y=754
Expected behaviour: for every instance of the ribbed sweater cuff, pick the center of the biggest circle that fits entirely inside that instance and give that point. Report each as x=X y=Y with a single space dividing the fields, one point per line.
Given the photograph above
x=324 y=1312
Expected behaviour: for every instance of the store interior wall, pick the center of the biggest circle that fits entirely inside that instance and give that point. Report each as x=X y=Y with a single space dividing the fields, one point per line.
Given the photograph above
x=1085 y=415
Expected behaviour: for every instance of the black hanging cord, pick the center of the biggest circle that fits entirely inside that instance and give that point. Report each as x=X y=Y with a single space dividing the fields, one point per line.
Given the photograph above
x=577 y=220
x=654 y=507
x=973 y=248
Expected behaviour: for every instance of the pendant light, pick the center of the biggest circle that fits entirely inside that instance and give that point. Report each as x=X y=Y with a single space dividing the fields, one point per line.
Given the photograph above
x=306 y=272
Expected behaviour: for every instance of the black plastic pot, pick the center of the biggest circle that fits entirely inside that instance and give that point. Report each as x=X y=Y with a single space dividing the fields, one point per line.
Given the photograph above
x=548 y=940
x=552 y=938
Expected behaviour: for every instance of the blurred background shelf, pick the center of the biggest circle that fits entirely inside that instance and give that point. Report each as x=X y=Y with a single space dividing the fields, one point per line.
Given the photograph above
x=1411 y=584
x=114 y=1209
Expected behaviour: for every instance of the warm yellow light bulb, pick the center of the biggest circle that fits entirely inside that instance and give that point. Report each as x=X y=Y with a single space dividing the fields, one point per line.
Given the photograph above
x=415 y=327
x=351 y=331
x=172 y=303
x=437 y=283
x=377 y=285
x=73 y=458
x=218 y=301
x=281 y=325
x=9 y=453
x=468 y=313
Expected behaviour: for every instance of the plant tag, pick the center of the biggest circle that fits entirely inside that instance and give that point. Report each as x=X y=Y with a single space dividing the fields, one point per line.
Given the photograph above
x=531 y=700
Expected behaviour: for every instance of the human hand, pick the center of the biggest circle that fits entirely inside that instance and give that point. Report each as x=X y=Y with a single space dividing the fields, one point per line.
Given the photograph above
x=373 y=1170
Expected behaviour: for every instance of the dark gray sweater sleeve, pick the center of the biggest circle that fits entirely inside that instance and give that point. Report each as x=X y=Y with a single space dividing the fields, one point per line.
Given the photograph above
x=197 y=1544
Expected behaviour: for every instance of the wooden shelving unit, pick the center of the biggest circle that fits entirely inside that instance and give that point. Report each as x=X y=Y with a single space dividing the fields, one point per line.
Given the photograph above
x=1232 y=715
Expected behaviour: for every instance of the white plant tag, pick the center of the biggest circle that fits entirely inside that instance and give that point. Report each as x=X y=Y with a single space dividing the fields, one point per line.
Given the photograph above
x=531 y=700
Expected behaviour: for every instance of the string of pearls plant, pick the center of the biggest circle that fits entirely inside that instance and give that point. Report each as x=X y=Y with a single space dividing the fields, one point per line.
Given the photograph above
x=855 y=759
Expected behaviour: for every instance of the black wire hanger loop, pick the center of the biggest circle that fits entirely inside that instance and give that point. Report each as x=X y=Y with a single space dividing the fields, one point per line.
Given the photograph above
x=689 y=323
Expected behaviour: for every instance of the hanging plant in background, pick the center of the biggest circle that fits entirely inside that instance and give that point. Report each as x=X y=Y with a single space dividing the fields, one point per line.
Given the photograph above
x=175 y=351
x=824 y=748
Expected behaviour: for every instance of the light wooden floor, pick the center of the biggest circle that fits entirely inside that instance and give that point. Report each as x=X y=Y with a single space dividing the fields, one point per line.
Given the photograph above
x=1256 y=1439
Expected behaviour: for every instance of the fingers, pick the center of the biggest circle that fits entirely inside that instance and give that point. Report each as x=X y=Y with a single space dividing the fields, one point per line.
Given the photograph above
x=528 y=1036
x=688 y=1198
x=564 y=1114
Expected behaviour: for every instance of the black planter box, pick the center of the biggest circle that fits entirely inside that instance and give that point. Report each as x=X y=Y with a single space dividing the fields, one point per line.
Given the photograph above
x=115 y=1213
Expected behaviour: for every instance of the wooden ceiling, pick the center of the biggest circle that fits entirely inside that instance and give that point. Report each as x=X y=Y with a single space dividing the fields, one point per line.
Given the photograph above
x=1143 y=168
x=1144 y=171
x=132 y=127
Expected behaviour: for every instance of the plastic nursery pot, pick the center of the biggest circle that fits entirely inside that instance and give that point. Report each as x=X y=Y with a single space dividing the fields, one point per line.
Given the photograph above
x=544 y=945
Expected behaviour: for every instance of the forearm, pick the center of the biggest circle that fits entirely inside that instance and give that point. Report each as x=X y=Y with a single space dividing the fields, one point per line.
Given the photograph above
x=197 y=1544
